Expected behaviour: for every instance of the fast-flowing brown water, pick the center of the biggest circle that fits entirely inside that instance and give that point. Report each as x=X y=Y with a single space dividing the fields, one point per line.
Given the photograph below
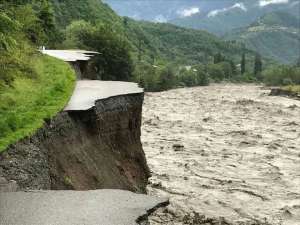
x=224 y=154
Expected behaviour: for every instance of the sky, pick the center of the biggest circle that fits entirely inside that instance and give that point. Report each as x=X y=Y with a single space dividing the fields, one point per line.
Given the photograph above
x=165 y=10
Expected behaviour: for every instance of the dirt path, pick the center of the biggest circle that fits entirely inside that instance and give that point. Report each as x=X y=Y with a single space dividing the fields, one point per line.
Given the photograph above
x=240 y=163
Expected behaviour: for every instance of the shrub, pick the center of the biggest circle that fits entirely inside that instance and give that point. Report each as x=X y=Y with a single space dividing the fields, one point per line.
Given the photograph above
x=147 y=76
x=114 y=62
x=188 y=78
x=166 y=78
x=245 y=78
x=216 y=72
x=202 y=78
x=282 y=75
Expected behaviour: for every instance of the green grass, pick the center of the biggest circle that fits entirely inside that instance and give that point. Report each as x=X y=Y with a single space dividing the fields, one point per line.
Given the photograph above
x=293 y=88
x=25 y=106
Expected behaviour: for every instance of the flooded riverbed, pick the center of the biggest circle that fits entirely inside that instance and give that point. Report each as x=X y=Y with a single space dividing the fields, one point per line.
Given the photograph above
x=224 y=155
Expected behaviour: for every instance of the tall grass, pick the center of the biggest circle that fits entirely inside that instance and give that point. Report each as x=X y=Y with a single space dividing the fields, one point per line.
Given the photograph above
x=29 y=101
x=293 y=88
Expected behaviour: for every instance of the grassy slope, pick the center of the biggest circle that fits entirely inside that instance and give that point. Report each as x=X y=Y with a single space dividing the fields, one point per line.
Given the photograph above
x=24 y=107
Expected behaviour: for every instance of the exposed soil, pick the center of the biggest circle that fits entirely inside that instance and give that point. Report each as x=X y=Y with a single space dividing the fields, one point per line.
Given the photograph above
x=224 y=154
x=83 y=150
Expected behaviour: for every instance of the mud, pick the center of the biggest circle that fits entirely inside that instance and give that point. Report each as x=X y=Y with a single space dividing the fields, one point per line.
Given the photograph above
x=224 y=154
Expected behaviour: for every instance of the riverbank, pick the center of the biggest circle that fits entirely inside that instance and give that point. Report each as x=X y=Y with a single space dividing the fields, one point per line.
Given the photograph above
x=292 y=91
x=224 y=154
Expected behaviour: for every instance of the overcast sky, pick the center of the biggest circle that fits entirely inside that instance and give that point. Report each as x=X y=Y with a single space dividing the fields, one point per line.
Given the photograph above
x=164 y=10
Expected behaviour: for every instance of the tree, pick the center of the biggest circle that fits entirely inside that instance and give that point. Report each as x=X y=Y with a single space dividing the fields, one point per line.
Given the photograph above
x=114 y=61
x=30 y=24
x=166 y=78
x=257 y=65
x=140 y=51
x=45 y=14
x=227 y=70
x=282 y=75
x=243 y=63
x=233 y=67
x=216 y=72
x=202 y=77
x=188 y=77
x=298 y=62
x=7 y=28
x=218 y=58
x=125 y=21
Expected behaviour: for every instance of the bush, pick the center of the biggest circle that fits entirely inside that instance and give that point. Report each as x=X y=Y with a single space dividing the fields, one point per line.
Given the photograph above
x=166 y=78
x=282 y=75
x=202 y=78
x=147 y=76
x=245 y=78
x=188 y=78
x=194 y=76
x=114 y=62
x=216 y=72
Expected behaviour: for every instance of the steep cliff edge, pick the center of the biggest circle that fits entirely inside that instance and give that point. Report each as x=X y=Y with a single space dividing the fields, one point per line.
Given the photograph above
x=82 y=150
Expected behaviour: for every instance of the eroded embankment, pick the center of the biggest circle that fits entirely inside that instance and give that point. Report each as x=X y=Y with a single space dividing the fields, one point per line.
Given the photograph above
x=81 y=150
x=225 y=154
x=287 y=92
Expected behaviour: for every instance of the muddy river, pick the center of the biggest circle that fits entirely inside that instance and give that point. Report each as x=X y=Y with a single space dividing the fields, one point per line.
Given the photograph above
x=223 y=154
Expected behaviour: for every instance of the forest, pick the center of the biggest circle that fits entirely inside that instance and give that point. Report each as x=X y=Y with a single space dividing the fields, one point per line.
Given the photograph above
x=133 y=50
x=33 y=88
x=158 y=56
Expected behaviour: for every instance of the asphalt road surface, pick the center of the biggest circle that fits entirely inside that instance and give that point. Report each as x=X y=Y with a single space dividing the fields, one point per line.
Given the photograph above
x=100 y=207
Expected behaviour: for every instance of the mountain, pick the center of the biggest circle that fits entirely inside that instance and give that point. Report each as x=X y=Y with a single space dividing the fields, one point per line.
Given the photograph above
x=164 y=42
x=237 y=15
x=66 y=11
x=274 y=35
x=179 y=45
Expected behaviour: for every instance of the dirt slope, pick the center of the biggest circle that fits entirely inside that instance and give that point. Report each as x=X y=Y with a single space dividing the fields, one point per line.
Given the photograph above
x=83 y=150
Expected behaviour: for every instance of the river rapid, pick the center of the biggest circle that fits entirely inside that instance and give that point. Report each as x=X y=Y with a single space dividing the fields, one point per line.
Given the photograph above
x=223 y=154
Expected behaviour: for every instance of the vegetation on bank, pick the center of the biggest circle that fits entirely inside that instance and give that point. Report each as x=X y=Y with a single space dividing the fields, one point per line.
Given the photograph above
x=293 y=88
x=29 y=101
x=33 y=88
x=157 y=56
x=282 y=75
x=142 y=51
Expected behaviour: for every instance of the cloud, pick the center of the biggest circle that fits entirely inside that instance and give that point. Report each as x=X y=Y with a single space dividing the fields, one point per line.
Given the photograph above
x=235 y=6
x=263 y=3
x=136 y=17
x=160 y=19
x=188 y=12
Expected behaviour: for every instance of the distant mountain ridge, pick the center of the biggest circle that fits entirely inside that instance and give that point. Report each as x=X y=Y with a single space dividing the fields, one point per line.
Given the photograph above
x=267 y=26
x=275 y=35
x=237 y=15
x=161 y=42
